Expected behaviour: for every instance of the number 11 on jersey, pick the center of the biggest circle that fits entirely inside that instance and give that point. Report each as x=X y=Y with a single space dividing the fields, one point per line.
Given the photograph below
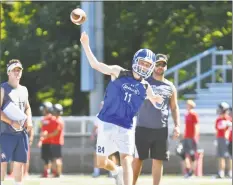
x=127 y=97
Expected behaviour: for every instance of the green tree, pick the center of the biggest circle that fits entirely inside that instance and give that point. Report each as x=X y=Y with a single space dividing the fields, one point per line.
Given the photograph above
x=42 y=36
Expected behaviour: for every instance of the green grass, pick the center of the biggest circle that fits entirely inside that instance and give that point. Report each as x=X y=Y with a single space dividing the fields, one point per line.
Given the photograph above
x=103 y=180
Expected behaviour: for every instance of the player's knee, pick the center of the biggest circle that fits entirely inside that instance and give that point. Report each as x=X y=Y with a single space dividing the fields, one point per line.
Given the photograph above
x=58 y=161
x=126 y=160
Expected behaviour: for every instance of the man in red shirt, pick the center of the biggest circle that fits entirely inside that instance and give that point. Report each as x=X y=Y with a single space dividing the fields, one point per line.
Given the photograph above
x=57 y=139
x=191 y=134
x=221 y=125
x=230 y=133
x=44 y=143
x=230 y=144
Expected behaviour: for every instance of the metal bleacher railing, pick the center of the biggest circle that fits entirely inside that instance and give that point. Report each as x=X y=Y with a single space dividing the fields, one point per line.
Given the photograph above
x=215 y=63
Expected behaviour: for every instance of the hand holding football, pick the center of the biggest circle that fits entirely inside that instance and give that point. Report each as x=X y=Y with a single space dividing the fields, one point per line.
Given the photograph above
x=78 y=16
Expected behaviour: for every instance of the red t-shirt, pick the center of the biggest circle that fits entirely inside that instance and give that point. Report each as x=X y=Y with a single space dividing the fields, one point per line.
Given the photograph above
x=191 y=119
x=221 y=126
x=58 y=124
x=230 y=131
x=230 y=136
x=46 y=126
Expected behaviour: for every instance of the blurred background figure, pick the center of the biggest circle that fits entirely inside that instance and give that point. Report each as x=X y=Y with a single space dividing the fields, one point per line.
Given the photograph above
x=191 y=135
x=46 y=110
x=179 y=150
x=223 y=122
x=229 y=136
x=57 y=140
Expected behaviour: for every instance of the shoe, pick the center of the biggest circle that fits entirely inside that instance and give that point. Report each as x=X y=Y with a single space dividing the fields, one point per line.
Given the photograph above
x=11 y=175
x=228 y=176
x=219 y=177
x=56 y=176
x=94 y=175
x=110 y=175
x=119 y=176
x=44 y=175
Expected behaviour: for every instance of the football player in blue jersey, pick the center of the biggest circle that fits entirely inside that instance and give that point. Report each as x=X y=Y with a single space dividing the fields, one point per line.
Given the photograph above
x=124 y=95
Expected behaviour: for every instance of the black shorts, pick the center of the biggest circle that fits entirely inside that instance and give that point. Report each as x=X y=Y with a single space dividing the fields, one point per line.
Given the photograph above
x=190 y=146
x=46 y=154
x=56 y=151
x=230 y=148
x=152 y=143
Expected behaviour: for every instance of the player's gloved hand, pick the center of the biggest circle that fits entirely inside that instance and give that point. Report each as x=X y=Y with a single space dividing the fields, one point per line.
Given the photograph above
x=176 y=132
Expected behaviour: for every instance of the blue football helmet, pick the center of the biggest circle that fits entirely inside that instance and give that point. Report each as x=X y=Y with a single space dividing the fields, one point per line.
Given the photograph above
x=144 y=55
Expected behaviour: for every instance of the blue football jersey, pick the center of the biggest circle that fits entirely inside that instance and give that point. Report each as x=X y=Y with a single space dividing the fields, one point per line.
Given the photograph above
x=123 y=98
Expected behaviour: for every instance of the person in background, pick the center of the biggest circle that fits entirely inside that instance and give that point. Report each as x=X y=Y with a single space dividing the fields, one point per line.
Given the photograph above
x=13 y=135
x=229 y=138
x=191 y=135
x=45 y=144
x=222 y=124
x=179 y=150
x=57 y=139
x=151 y=135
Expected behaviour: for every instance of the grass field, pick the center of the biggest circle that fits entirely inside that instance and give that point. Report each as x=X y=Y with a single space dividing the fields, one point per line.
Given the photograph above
x=103 y=180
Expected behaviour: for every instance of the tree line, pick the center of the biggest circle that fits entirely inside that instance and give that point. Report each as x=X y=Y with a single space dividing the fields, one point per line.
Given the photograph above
x=42 y=36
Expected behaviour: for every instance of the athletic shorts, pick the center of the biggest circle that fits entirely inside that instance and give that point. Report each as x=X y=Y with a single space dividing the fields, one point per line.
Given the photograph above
x=151 y=143
x=112 y=138
x=46 y=153
x=56 y=151
x=222 y=148
x=14 y=147
x=190 y=147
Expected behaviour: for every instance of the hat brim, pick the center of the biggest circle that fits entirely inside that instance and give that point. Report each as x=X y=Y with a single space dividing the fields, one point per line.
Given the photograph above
x=161 y=61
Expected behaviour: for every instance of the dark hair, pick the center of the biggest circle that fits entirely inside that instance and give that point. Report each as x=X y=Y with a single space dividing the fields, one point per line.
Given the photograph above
x=13 y=61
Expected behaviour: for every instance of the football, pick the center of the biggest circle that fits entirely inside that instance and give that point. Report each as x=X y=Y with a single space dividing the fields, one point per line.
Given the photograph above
x=78 y=16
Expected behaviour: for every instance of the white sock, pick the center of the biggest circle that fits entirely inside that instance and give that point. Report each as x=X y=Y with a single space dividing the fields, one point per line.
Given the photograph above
x=1 y=183
x=96 y=170
x=221 y=173
x=230 y=173
x=115 y=172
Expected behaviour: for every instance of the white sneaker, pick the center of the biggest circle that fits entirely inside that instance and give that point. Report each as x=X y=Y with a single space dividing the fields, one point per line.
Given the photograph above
x=119 y=176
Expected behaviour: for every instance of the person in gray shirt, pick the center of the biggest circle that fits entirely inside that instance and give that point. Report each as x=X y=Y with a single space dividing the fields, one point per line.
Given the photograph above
x=151 y=136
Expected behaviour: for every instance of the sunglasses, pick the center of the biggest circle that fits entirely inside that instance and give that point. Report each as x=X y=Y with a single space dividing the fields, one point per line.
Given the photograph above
x=161 y=64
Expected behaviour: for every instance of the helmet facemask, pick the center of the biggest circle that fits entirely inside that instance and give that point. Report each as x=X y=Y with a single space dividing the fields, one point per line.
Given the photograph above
x=142 y=67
